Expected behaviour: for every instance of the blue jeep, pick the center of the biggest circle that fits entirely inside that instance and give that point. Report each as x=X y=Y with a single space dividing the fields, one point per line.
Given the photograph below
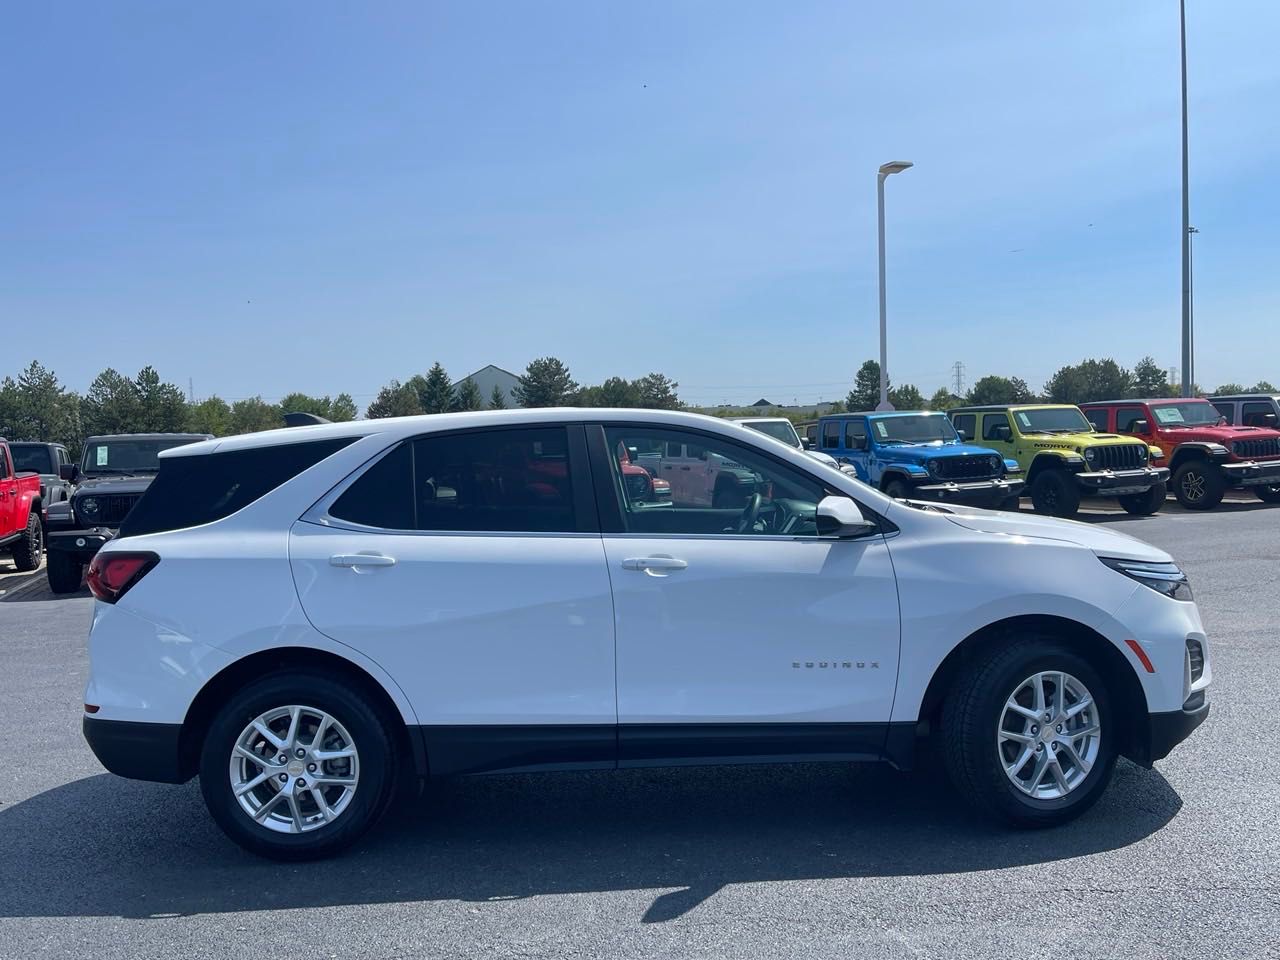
x=919 y=455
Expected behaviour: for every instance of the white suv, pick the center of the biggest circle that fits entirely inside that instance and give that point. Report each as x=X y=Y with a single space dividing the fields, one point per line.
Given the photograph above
x=305 y=618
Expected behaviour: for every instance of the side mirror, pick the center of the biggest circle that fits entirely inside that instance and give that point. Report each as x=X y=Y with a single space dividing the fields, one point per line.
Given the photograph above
x=840 y=517
x=962 y=434
x=633 y=453
x=859 y=443
x=1140 y=426
x=1269 y=419
x=68 y=472
x=808 y=443
x=1002 y=432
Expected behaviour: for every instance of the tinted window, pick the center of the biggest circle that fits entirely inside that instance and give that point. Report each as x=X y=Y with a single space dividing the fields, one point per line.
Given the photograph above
x=1098 y=418
x=4 y=465
x=1126 y=418
x=496 y=480
x=1257 y=415
x=128 y=455
x=831 y=435
x=189 y=491
x=991 y=425
x=34 y=459
x=717 y=495
x=1227 y=409
x=854 y=431
x=383 y=495
x=965 y=422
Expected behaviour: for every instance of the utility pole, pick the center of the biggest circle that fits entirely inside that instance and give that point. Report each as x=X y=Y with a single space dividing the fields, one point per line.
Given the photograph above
x=958 y=370
x=1187 y=373
x=191 y=390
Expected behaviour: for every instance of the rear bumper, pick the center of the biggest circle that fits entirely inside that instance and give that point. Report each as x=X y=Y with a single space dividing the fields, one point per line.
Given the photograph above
x=1119 y=483
x=139 y=751
x=1251 y=473
x=1168 y=729
x=974 y=491
x=81 y=544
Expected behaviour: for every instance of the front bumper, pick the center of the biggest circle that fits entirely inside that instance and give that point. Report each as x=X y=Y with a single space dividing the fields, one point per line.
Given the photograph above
x=1251 y=473
x=81 y=544
x=1166 y=730
x=974 y=492
x=1119 y=483
x=139 y=751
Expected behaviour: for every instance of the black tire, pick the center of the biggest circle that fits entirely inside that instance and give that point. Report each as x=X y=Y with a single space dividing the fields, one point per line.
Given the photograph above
x=1145 y=504
x=1055 y=492
x=972 y=715
x=65 y=573
x=28 y=550
x=897 y=489
x=370 y=732
x=1198 y=485
x=1268 y=494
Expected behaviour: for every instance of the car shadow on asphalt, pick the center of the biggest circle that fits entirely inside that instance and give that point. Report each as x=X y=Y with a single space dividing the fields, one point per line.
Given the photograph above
x=103 y=846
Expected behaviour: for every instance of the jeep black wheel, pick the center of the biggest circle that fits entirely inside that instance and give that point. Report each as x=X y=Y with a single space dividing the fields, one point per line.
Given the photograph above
x=1268 y=494
x=1145 y=504
x=1054 y=492
x=897 y=489
x=29 y=548
x=1028 y=733
x=1198 y=485
x=65 y=573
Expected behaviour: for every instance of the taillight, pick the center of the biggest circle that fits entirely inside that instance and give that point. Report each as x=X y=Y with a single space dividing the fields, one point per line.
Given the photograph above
x=111 y=574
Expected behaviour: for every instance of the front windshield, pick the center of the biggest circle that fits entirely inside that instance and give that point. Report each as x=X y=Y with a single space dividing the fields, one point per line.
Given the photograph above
x=778 y=429
x=1189 y=413
x=1053 y=420
x=128 y=456
x=32 y=459
x=918 y=428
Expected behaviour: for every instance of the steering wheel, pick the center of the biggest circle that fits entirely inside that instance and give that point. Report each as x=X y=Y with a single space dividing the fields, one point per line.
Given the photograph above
x=750 y=514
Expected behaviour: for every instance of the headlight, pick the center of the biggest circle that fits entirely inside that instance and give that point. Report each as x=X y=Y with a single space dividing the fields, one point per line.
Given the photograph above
x=1012 y=466
x=1091 y=455
x=996 y=464
x=88 y=507
x=1163 y=578
x=1217 y=449
x=1155 y=453
x=932 y=467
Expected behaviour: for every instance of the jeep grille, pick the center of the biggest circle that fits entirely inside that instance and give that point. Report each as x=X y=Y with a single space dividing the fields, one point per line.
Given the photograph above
x=113 y=507
x=1120 y=456
x=966 y=468
x=1252 y=449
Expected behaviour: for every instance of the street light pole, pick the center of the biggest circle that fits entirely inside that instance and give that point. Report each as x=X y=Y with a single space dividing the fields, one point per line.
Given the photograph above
x=888 y=169
x=1191 y=298
x=1188 y=384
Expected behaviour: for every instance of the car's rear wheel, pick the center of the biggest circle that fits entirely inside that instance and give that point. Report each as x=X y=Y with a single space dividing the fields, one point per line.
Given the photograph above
x=1145 y=504
x=29 y=548
x=1054 y=492
x=1029 y=735
x=1198 y=485
x=297 y=766
x=66 y=574
x=1268 y=494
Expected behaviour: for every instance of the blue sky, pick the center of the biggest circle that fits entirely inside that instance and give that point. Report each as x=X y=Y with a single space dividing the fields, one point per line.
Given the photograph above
x=323 y=196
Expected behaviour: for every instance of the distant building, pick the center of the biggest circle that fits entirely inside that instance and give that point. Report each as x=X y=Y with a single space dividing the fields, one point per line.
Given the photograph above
x=486 y=378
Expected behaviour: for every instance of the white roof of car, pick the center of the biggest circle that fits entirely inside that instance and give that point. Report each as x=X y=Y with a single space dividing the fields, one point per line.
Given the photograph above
x=397 y=428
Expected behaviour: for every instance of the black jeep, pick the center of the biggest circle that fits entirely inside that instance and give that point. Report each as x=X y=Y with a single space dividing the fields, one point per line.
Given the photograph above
x=113 y=474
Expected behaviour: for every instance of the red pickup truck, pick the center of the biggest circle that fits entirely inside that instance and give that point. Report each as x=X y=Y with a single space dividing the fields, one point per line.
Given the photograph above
x=1207 y=455
x=21 y=532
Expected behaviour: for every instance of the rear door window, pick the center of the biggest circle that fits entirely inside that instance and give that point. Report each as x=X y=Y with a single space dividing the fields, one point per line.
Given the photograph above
x=190 y=491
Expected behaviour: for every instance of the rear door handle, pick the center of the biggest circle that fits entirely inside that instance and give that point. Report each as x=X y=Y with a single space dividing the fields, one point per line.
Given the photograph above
x=653 y=564
x=361 y=560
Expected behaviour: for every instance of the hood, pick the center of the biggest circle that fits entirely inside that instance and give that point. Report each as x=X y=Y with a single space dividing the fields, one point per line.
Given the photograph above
x=114 y=484
x=1223 y=435
x=934 y=450
x=1103 y=541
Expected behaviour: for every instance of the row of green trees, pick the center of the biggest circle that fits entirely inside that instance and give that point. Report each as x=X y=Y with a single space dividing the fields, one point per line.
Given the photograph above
x=546 y=382
x=1083 y=382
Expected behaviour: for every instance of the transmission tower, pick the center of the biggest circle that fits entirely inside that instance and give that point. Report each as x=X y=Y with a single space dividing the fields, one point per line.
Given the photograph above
x=958 y=372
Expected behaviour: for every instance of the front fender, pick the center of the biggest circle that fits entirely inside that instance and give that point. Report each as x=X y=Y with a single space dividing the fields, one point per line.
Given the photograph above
x=1055 y=460
x=1195 y=450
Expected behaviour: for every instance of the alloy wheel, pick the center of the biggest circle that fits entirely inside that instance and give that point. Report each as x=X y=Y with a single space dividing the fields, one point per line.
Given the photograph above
x=294 y=769
x=1193 y=484
x=1049 y=736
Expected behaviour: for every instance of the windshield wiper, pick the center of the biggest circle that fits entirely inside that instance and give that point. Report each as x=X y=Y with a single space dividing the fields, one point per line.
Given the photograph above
x=888 y=440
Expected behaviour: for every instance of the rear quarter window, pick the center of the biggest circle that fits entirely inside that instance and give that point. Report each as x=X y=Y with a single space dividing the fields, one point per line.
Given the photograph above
x=190 y=491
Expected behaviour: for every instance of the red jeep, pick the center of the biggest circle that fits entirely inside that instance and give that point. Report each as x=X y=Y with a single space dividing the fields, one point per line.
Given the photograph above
x=21 y=533
x=1205 y=454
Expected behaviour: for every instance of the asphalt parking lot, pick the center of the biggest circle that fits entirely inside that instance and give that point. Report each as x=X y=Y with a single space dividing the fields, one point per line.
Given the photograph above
x=833 y=860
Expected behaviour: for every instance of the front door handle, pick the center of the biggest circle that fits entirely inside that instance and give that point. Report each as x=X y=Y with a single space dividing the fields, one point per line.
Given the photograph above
x=361 y=560
x=655 y=566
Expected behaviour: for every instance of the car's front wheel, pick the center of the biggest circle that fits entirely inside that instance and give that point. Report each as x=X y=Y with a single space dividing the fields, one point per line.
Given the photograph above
x=1198 y=485
x=1145 y=504
x=1029 y=734
x=1055 y=492
x=297 y=766
x=1268 y=494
